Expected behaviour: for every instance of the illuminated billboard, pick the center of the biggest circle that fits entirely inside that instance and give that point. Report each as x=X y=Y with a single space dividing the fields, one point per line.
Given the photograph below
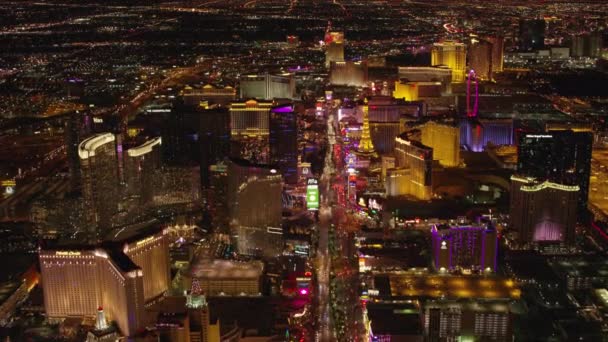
x=312 y=194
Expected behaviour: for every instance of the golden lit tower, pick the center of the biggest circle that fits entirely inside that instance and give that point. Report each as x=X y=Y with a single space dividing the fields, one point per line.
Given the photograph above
x=365 y=144
x=334 y=42
x=453 y=55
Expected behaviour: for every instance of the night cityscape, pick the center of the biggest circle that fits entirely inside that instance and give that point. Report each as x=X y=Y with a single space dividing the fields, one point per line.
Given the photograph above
x=303 y=170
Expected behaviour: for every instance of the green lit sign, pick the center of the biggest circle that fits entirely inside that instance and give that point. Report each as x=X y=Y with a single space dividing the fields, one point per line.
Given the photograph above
x=312 y=194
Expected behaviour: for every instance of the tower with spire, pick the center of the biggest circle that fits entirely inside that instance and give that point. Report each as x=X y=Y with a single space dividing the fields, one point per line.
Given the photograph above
x=365 y=144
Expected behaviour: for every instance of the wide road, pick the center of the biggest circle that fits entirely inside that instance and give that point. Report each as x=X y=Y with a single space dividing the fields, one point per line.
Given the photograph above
x=325 y=329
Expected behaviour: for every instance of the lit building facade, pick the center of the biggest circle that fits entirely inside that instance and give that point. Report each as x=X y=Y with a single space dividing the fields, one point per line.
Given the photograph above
x=453 y=55
x=444 y=139
x=255 y=204
x=563 y=157
x=249 y=130
x=418 y=159
x=349 y=73
x=480 y=58
x=334 y=52
x=441 y=74
x=226 y=277
x=151 y=254
x=464 y=248
x=543 y=211
x=475 y=135
x=385 y=121
x=587 y=45
x=498 y=52
x=267 y=86
x=208 y=94
x=283 y=140
x=141 y=169
x=478 y=320
x=78 y=282
x=414 y=91
x=99 y=172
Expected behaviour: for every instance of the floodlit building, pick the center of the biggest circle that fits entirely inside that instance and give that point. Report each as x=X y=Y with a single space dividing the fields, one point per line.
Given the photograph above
x=385 y=122
x=77 y=282
x=560 y=156
x=464 y=248
x=141 y=169
x=444 y=139
x=498 y=52
x=480 y=58
x=99 y=172
x=267 y=86
x=334 y=52
x=121 y=275
x=255 y=205
x=349 y=73
x=414 y=91
x=476 y=134
x=478 y=320
x=249 y=130
x=225 y=277
x=441 y=74
x=543 y=211
x=453 y=55
x=208 y=94
x=418 y=159
x=587 y=45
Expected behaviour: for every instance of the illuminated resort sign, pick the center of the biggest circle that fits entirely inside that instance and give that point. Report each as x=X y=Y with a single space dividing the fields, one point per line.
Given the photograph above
x=312 y=194
x=67 y=253
x=146 y=240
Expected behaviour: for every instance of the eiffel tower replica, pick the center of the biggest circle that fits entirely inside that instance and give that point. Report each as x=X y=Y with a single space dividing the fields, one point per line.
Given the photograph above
x=366 y=147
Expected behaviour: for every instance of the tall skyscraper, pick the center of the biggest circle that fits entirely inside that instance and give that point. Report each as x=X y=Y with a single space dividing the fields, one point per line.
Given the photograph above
x=444 y=139
x=453 y=55
x=142 y=164
x=267 y=86
x=74 y=131
x=77 y=282
x=99 y=174
x=464 y=247
x=121 y=276
x=334 y=42
x=563 y=157
x=249 y=130
x=418 y=159
x=587 y=45
x=498 y=51
x=384 y=122
x=531 y=34
x=480 y=58
x=255 y=204
x=179 y=133
x=214 y=140
x=543 y=211
x=283 y=139
x=150 y=252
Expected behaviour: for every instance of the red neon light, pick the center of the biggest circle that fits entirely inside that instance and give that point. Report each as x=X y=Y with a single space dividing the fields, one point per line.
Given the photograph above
x=599 y=230
x=472 y=113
